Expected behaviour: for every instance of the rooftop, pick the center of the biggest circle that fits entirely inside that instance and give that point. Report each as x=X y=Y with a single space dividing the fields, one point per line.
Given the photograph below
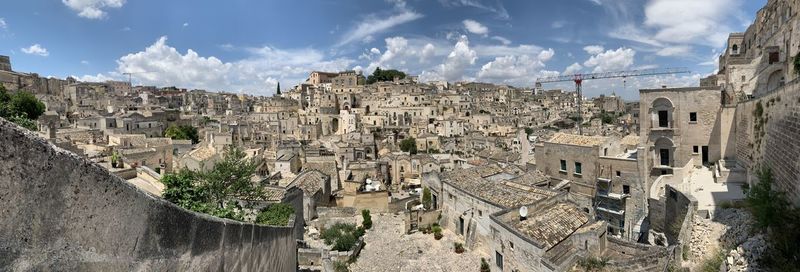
x=309 y=181
x=551 y=224
x=574 y=139
x=476 y=182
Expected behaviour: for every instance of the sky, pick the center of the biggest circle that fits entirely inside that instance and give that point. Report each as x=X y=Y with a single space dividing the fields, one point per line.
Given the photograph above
x=249 y=46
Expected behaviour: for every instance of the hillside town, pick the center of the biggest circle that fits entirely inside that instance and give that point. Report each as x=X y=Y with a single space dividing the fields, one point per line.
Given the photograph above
x=432 y=175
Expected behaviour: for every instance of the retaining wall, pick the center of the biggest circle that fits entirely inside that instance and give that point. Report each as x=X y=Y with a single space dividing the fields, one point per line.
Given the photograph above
x=60 y=212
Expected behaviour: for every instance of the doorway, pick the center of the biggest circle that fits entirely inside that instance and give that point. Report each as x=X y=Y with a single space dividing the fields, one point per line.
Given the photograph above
x=461 y=226
x=705 y=155
x=664 y=155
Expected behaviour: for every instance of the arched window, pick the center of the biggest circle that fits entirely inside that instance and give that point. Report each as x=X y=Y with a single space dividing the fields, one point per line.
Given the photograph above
x=735 y=49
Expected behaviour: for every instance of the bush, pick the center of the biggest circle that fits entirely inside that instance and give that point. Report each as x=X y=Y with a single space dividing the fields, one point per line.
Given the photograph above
x=409 y=145
x=437 y=232
x=427 y=199
x=342 y=236
x=367 y=219
x=459 y=247
x=277 y=214
x=593 y=264
x=713 y=263
x=774 y=213
x=340 y=266
x=484 y=265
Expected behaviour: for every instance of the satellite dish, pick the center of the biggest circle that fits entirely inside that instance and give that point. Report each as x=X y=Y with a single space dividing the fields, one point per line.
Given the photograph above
x=523 y=211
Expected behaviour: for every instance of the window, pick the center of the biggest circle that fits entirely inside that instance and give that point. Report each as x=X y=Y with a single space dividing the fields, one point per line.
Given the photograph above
x=563 y=166
x=619 y=174
x=626 y=189
x=663 y=120
x=578 y=169
x=511 y=244
x=498 y=260
x=695 y=149
x=744 y=78
x=480 y=213
x=692 y=117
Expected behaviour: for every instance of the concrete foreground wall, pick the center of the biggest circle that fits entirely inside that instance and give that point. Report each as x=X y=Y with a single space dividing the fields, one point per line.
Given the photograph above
x=60 y=212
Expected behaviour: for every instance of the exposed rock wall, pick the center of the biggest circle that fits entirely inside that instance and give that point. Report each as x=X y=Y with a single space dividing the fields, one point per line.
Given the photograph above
x=60 y=212
x=768 y=134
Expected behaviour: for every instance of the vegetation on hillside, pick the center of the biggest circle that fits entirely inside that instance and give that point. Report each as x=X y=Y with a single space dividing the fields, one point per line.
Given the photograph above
x=277 y=214
x=384 y=75
x=21 y=108
x=182 y=132
x=780 y=219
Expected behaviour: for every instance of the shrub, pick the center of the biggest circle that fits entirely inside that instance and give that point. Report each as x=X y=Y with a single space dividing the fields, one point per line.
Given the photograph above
x=593 y=264
x=484 y=265
x=437 y=232
x=426 y=198
x=277 y=214
x=367 y=219
x=713 y=263
x=340 y=266
x=459 y=247
x=342 y=236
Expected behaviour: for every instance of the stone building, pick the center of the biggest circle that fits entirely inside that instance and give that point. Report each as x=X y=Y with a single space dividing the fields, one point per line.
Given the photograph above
x=681 y=128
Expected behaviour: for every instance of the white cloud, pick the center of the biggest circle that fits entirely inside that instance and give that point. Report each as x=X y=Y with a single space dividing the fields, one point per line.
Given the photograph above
x=427 y=52
x=690 y=21
x=36 y=49
x=96 y=78
x=85 y=62
x=3 y=24
x=92 y=9
x=596 y=2
x=185 y=24
x=517 y=69
x=502 y=40
x=558 y=24
x=573 y=69
x=611 y=60
x=455 y=65
x=375 y=50
x=678 y=50
x=258 y=73
x=374 y=24
x=475 y=27
x=593 y=49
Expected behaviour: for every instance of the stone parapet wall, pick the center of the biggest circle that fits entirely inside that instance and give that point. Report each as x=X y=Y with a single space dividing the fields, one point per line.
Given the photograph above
x=64 y=213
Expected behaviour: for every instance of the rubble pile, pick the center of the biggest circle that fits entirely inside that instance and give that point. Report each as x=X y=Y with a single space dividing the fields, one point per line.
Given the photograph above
x=730 y=228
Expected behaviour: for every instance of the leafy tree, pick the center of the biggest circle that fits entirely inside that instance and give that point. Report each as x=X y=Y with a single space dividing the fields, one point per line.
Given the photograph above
x=485 y=265
x=182 y=132
x=215 y=191
x=275 y=215
x=774 y=213
x=230 y=177
x=27 y=105
x=426 y=198
x=279 y=89
x=20 y=108
x=384 y=75
x=409 y=145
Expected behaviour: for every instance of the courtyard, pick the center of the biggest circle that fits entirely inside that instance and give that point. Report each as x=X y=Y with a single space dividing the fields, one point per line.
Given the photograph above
x=388 y=248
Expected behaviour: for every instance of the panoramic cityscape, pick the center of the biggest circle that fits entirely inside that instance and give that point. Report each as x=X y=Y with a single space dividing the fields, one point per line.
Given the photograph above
x=400 y=135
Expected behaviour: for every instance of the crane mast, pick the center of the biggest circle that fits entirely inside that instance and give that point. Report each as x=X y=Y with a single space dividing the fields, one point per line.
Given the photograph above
x=579 y=78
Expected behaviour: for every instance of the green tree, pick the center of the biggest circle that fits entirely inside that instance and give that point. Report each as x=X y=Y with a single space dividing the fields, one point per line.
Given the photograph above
x=215 y=191
x=182 y=132
x=279 y=89
x=20 y=108
x=409 y=145
x=230 y=177
x=27 y=104
x=384 y=75
x=426 y=198
x=528 y=131
x=277 y=214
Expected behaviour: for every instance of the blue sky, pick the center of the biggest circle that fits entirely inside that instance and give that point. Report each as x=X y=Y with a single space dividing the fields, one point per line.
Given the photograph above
x=250 y=46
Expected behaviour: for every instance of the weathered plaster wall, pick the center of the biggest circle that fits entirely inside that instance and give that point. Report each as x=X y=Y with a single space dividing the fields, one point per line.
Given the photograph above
x=61 y=212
